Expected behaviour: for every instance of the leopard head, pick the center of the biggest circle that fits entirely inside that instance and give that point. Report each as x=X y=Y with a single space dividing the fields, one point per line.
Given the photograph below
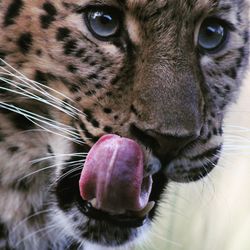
x=155 y=76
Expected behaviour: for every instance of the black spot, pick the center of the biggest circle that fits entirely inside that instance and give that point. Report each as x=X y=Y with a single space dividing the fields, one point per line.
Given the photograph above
x=98 y=86
x=223 y=105
x=208 y=154
x=75 y=218
x=202 y=131
x=24 y=42
x=246 y=36
x=95 y=123
x=88 y=134
x=115 y=80
x=107 y=110
x=109 y=94
x=3 y=231
x=78 y=99
x=5 y=111
x=108 y=129
x=40 y=77
x=47 y=19
x=82 y=82
x=88 y=114
x=92 y=76
x=70 y=47
x=67 y=5
x=80 y=53
x=2 y=56
x=74 y=88
x=242 y=55
x=21 y=185
x=71 y=68
x=215 y=131
x=226 y=8
x=92 y=63
x=21 y=122
x=220 y=131
x=49 y=149
x=227 y=88
x=13 y=12
x=133 y=109
x=90 y=93
x=39 y=52
x=219 y=59
x=13 y=149
x=219 y=91
x=101 y=68
x=1 y=136
x=210 y=73
x=239 y=17
x=50 y=9
x=86 y=59
x=232 y=72
x=4 y=86
x=62 y=34
x=74 y=246
x=209 y=136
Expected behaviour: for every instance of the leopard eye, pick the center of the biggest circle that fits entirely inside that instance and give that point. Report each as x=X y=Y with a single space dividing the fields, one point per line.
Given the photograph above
x=212 y=35
x=103 y=23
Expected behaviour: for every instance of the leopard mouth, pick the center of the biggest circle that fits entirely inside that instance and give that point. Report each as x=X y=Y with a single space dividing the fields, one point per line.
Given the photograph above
x=121 y=219
x=125 y=220
x=113 y=186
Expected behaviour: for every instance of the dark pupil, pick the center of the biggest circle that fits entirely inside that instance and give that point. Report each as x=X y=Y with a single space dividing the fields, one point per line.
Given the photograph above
x=211 y=36
x=103 y=24
x=214 y=31
x=105 y=19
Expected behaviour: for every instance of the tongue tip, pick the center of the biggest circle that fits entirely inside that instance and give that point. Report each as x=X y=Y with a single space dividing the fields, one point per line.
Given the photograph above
x=101 y=176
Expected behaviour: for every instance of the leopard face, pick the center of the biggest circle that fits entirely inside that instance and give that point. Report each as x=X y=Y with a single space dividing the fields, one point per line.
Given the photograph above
x=161 y=73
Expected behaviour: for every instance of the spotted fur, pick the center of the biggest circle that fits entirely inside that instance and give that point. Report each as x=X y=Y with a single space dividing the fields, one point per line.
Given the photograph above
x=61 y=89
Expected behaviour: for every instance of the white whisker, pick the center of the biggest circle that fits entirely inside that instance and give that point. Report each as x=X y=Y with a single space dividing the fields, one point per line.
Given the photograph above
x=32 y=116
x=67 y=174
x=20 y=223
x=57 y=155
x=51 y=167
x=176 y=244
x=41 y=87
x=36 y=232
x=30 y=95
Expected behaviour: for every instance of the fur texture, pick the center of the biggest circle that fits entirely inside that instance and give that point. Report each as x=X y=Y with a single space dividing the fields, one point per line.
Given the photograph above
x=61 y=88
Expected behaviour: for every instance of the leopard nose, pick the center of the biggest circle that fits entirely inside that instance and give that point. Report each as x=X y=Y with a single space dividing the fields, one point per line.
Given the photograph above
x=165 y=146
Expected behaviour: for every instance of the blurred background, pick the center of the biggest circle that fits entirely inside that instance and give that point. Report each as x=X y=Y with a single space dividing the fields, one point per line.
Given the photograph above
x=214 y=213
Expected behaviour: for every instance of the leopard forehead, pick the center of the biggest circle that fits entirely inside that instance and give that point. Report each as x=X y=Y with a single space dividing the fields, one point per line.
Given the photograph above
x=197 y=4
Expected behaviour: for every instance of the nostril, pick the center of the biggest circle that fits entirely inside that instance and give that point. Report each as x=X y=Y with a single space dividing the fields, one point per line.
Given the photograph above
x=170 y=145
x=145 y=139
x=164 y=146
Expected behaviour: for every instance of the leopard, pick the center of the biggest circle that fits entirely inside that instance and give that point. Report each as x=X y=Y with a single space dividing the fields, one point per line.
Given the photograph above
x=103 y=103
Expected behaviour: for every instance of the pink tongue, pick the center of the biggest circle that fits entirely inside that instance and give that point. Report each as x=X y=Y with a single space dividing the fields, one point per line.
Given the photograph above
x=113 y=174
